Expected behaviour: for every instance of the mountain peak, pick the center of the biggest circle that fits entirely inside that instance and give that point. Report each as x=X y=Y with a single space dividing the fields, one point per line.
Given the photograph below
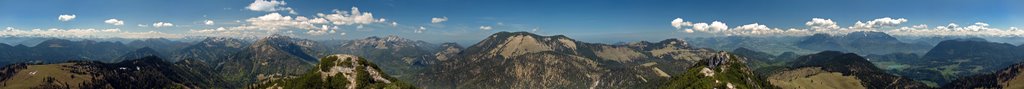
x=222 y=41
x=508 y=44
x=521 y=33
x=291 y=46
x=339 y=71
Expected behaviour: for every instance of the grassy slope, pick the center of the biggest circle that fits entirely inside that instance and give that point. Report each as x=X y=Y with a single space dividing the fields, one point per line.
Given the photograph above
x=60 y=74
x=814 y=78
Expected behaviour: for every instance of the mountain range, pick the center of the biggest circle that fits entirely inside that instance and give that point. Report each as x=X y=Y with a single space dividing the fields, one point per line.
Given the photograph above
x=862 y=42
x=504 y=60
x=526 y=60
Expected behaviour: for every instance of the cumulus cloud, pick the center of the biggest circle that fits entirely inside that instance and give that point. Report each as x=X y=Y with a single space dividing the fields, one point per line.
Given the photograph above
x=718 y=26
x=65 y=17
x=208 y=22
x=114 y=22
x=162 y=24
x=274 y=21
x=753 y=27
x=679 y=23
x=880 y=22
x=438 y=19
x=821 y=24
x=324 y=29
x=269 y=6
x=760 y=29
x=715 y=26
x=351 y=17
x=700 y=26
x=486 y=28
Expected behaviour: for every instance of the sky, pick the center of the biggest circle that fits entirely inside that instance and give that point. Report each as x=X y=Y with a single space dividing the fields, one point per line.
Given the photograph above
x=467 y=21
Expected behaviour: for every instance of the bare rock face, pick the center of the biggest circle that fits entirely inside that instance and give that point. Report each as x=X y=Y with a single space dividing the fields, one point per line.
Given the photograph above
x=448 y=51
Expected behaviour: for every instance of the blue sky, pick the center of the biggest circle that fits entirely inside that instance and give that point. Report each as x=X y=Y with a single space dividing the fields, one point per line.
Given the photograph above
x=588 y=20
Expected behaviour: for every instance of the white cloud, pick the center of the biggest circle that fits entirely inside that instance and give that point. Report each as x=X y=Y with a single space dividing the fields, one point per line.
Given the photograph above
x=877 y=23
x=438 y=20
x=351 y=17
x=274 y=21
x=754 y=26
x=718 y=26
x=111 y=30
x=715 y=26
x=981 y=24
x=162 y=24
x=114 y=22
x=976 y=29
x=921 y=26
x=486 y=28
x=821 y=24
x=757 y=29
x=240 y=31
x=324 y=29
x=84 y=33
x=679 y=23
x=149 y=34
x=700 y=26
x=420 y=30
x=208 y=22
x=54 y=32
x=66 y=17
x=142 y=25
x=269 y=6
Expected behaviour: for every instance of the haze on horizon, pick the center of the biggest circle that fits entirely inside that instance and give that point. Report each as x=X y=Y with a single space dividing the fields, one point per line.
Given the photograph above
x=467 y=21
